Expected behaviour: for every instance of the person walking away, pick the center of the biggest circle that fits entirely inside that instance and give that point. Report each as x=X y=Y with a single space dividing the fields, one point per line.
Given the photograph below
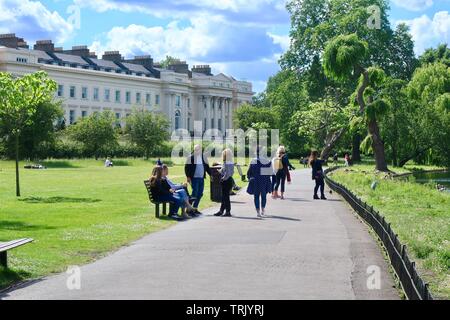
x=347 y=160
x=259 y=174
x=281 y=166
x=162 y=192
x=226 y=181
x=196 y=169
x=335 y=159
x=180 y=192
x=317 y=175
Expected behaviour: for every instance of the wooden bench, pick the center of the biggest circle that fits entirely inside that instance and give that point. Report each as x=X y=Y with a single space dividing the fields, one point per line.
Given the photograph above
x=156 y=203
x=6 y=246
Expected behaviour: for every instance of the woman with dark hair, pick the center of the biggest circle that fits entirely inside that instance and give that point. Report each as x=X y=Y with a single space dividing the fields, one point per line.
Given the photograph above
x=317 y=175
x=259 y=175
x=162 y=191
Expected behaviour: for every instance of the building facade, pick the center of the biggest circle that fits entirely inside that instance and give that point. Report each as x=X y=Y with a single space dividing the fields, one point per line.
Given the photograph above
x=87 y=84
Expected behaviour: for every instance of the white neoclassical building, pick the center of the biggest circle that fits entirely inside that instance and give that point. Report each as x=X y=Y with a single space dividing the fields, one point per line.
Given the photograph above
x=87 y=84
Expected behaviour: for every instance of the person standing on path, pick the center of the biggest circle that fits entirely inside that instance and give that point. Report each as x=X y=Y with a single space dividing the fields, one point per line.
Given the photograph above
x=259 y=175
x=281 y=166
x=226 y=181
x=317 y=175
x=196 y=169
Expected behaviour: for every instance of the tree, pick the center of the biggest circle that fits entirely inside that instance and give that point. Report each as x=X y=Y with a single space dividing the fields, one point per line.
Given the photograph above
x=440 y=54
x=429 y=91
x=148 y=130
x=96 y=133
x=343 y=57
x=37 y=137
x=168 y=60
x=247 y=116
x=19 y=98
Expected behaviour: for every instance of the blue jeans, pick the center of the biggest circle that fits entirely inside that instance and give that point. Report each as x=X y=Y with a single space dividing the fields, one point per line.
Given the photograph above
x=263 y=201
x=171 y=198
x=198 y=186
x=183 y=195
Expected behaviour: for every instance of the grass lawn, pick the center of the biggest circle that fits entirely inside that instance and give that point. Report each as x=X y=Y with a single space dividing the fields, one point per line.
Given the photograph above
x=418 y=213
x=76 y=211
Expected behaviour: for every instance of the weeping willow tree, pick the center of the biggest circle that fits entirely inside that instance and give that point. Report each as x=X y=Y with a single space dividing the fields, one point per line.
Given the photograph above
x=342 y=61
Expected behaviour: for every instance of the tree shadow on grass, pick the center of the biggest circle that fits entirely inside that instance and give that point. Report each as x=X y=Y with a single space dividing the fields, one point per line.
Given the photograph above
x=59 y=165
x=51 y=200
x=21 y=226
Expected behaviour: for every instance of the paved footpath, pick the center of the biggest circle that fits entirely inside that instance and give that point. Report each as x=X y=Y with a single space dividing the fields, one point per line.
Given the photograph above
x=305 y=249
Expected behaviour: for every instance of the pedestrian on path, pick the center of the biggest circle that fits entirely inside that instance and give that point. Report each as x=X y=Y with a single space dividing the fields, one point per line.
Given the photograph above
x=317 y=175
x=196 y=169
x=259 y=174
x=227 y=182
x=281 y=167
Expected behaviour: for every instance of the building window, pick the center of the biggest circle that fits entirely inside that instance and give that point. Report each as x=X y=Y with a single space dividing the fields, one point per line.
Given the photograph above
x=96 y=91
x=148 y=99
x=72 y=92
x=83 y=114
x=220 y=124
x=178 y=101
x=72 y=116
x=189 y=124
x=212 y=123
x=189 y=103
x=118 y=96
x=205 y=124
x=138 y=97
x=118 y=116
x=107 y=94
x=84 y=93
x=128 y=97
x=157 y=99
x=60 y=90
x=21 y=60
x=177 y=119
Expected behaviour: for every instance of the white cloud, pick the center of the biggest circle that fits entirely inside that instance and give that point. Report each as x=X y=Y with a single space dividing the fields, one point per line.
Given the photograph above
x=414 y=5
x=428 y=32
x=32 y=20
x=283 y=40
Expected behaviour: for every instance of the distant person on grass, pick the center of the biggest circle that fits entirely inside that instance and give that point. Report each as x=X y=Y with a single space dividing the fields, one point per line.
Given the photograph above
x=162 y=192
x=196 y=169
x=227 y=182
x=260 y=185
x=317 y=175
x=109 y=163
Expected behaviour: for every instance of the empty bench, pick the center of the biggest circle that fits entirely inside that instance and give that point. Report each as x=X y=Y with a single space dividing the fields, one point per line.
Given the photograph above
x=6 y=246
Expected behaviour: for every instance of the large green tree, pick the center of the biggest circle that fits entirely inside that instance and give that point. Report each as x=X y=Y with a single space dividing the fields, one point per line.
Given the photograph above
x=148 y=130
x=344 y=58
x=19 y=100
x=96 y=133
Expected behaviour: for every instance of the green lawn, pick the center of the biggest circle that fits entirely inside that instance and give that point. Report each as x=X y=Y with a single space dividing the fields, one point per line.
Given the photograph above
x=418 y=213
x=77 y=211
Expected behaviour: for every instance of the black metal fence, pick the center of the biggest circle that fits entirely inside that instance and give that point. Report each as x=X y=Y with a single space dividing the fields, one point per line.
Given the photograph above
x=413 y=285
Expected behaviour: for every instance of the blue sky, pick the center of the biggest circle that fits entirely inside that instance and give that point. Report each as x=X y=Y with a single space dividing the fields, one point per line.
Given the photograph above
x=243 y=38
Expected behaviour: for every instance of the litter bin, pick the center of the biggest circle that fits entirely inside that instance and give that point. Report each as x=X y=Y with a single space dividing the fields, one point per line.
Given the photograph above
x=216 y=188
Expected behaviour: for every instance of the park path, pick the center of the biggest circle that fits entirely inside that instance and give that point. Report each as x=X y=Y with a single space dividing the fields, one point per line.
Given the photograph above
x=305 y=249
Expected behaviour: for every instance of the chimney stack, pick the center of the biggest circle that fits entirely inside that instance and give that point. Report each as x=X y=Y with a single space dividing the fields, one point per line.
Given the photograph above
x=11 y=41
x=113 y=56
x=81 y=51
x=179 y=67
x=145 y=61
x=204 y=69
x=44 y=45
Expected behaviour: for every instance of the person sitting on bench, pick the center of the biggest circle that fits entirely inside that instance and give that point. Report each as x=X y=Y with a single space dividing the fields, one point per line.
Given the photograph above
x=181 y=191
x=162 y=192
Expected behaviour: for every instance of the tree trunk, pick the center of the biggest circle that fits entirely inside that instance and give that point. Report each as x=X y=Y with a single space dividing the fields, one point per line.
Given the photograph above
x=17 y=166
x=378 y=146
x=356 y=148
x=331 y=143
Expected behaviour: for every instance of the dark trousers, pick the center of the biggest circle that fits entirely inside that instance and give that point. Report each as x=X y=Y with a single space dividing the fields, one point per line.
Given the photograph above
x=227 y=186
x=281 y=180
x=320 y=183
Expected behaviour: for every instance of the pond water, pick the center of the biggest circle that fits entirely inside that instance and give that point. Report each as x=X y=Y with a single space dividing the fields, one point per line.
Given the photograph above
x=441 y=178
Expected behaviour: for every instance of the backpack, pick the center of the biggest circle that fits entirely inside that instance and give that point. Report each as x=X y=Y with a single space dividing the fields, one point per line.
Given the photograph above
x=278 y=164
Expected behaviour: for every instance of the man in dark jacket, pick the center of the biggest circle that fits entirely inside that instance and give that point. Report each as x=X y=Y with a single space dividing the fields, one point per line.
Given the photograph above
x=196 y=169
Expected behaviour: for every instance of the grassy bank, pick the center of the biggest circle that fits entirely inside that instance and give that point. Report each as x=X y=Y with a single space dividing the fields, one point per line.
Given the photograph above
x=418 y=213
x=77 y=211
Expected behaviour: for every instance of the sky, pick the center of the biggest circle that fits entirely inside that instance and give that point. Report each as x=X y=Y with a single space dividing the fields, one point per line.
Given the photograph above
x=242 y=38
